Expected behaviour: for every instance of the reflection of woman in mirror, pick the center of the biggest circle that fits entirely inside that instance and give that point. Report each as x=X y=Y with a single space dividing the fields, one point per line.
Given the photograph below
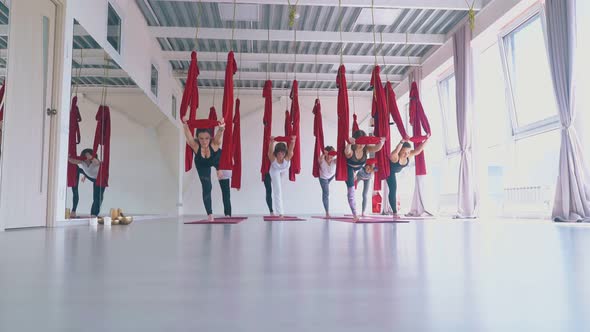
x=88 y=167
x=207 y=155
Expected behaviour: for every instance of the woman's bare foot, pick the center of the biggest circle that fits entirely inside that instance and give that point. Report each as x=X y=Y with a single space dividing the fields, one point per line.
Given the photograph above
x=272 y=214
x=210 y=218
x=355 y=218
x=281 y=216
x=328 y=215
x=362 y=214
x=73 y=215
x=395 y=215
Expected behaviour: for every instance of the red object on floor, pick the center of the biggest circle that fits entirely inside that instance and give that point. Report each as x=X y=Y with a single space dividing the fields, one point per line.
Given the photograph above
x=225 y=163
x=418 y=120
x=377 y=200
x=385 y=220
x=236 y=178
x=381 y=118
x=343 y=124
x=73 y=140
x=226 y=220
x=267 y=122
x=295 y=168
x=318 y=132
x=355 y=124
x=190 y=97
x=102 y=136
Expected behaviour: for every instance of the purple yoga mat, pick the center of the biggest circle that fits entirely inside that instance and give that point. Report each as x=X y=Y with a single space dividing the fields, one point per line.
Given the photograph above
x=225 y=220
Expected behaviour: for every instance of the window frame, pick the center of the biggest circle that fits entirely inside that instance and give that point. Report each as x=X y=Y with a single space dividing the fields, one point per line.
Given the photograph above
x=537 y=127
x=449 y=150
x=152 y=68
x=174 y=106
x=118 y=11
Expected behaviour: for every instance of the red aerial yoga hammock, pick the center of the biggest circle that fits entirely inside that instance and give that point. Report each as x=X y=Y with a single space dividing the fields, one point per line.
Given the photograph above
x=202 y=124
x=236 y=177
x=227 y=112
x=418 y=121
x=267 y=122
x=73 y=141
x=190 y=96
x=343 y=124
x=283 y=139
x=295 y=131
x=213 y=117
x=355 y=124
x=102 y=136
x=381 y=117
x=364 y=140
x=318 y=132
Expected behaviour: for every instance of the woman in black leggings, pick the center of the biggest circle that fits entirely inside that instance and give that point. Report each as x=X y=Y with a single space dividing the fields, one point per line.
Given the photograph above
x=268 y=188
x=207 y=155
x=400 y=158
x=88 y=168
x=356 y=157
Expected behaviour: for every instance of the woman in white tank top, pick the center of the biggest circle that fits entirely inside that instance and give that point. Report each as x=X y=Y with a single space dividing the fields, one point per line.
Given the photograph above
x=280 y=160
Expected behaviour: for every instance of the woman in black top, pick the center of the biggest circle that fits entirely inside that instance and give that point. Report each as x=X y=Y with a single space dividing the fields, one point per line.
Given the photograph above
x=207 y=155
x=356 y=157
x=399 y=158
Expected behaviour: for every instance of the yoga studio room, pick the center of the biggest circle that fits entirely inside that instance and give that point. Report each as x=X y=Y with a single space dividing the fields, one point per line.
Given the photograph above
x=295 y=165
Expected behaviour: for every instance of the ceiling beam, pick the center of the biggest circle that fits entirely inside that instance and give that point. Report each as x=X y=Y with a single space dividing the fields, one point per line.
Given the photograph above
x=99 y=72
x=301 y=58
x=302 y=36
x=277 y=76
x=412 y=4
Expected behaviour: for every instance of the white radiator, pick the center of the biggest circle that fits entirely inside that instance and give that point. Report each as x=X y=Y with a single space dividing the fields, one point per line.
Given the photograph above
x=527 y=202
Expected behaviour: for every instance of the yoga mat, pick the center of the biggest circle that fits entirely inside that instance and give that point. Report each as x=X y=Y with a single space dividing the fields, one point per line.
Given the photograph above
x=373 y=220
x=332 y=217
x=218 y=221
x=285 y=218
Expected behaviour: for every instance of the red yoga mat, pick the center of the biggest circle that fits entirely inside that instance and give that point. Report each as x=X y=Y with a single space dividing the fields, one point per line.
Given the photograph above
x=226 y=220
x=285 y=218
x=366 y=220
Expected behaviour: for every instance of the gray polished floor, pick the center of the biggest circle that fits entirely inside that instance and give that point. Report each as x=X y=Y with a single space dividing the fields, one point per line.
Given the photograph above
x=486 y=275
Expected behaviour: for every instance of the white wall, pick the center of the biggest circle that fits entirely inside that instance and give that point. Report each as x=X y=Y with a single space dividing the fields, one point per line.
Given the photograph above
x=142 y=175
x=300 y=197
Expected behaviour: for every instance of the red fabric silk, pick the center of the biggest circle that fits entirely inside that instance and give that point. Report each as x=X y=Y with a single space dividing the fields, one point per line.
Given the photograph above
x=355 y=124
x=284 y=139
x=236 y=178
x=381 y=118
x=190 y=97
x=343 y=124
x=202 y=124
x=102 y=136
x=225 y=162
x=318 y=132
x=295 y=131
x=267 y=123
x=364 y=140
x=418 y=121
x=212 y=116
x=2 y=90
x=73 y=141
x=394 y=110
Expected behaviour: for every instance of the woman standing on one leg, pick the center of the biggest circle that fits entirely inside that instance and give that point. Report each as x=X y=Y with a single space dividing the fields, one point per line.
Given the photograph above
x=400 y=158
x=207 y=154
x=356 y=156
x=364 y=174
x=327 y=173
x=224 y=177
x=89 y=169
x=268 y=189
x=280 y=160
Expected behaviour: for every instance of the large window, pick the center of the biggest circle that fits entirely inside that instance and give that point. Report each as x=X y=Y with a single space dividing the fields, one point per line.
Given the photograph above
x=114 y=29
x=174 y=106
x=528 y=74
x=448 y=101
x=154 y=81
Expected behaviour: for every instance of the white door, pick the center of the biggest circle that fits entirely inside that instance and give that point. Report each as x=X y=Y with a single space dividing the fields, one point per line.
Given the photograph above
x=23 y=195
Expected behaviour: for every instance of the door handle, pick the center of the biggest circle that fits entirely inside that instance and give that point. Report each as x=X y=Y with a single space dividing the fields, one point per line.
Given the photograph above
x=51 y=112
